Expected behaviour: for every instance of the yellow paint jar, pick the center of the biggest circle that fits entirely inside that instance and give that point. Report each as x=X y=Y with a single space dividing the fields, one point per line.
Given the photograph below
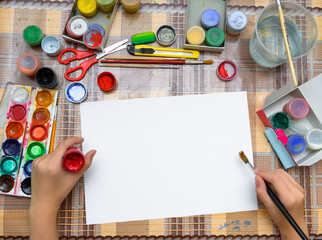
x=196 y=35
x=88 y=8
x=131 y=5
x=106 y=5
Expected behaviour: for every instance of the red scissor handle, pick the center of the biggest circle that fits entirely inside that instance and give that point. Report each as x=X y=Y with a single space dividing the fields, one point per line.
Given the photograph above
x=78 y=55
x=84 y=66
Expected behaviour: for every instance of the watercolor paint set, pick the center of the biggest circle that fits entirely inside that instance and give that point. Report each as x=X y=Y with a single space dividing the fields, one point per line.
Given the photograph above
x=26 y=123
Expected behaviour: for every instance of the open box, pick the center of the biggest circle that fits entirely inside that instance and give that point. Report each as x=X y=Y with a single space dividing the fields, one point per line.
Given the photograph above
x=104 y=19
x=311 y=92
x=195 y=9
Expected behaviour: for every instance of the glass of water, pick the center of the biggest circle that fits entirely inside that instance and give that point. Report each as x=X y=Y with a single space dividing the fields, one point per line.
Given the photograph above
x=267 y=43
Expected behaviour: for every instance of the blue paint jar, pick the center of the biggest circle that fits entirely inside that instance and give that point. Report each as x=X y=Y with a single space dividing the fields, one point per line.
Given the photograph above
x=296 y=144
x=236 y=22
x=76 y=92
x=210 y=18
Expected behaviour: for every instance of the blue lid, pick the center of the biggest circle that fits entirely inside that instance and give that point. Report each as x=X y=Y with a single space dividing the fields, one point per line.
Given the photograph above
x=237 y=21
x=27 y=169
x=296 y=144
x=210 y=18
x=76 y=92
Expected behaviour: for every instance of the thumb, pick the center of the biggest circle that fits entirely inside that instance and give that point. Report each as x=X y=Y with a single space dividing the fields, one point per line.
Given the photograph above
x=262 y=192
x=88 y=161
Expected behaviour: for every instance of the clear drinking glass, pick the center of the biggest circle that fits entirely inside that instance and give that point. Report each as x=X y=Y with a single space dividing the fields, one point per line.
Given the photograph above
x=267 y=44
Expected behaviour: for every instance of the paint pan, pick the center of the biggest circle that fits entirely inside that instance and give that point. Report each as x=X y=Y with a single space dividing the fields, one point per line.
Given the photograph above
x=44 y=98
x=35 y=150
x=296 y=144
x=6 y=183
x=93 y=38
x=11 y=147
x=77 y=26
x=41 y=115
x=46 y=78
x=26 y=186
x=73 y=160
x=17 y=112
x=28 y=64
x=14 y=130
x=8 y=165
x=20 y=95
x=51 y=45
x=38 y=132
x=76 y=92
x=27 y=168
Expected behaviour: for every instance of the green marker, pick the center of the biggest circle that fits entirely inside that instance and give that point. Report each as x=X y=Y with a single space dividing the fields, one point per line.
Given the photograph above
x=142 y=38
x=8 y=165
x=33 y=35
x=35 y=150
x=215 y=37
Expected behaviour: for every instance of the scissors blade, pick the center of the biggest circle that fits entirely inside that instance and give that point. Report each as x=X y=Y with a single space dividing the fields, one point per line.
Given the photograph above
x=109 y=49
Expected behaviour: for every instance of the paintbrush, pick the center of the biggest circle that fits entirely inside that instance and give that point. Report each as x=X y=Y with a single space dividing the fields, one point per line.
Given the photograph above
x=287 y=46
x=143 y=58
x=137 y=65
x=276 y=200
x=165 y=61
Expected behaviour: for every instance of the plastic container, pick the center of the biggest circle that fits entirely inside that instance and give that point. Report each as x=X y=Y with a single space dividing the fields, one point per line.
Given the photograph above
x=51 y=45
x=131 y=6
x=106 y=5
x=196 y=35
x=210 y=18
x=77 y=26
x=93 y=38
x=73 y=160
x=297 y=108
x=227 y=70
x=215 y=37
x=280 y=120
x=28 y=64
x=76 y=92
x=166 y=35
x=98 y=27
x=313 y=139
x=106 y=81
x=46 y=78
x=33 y=35
x=296 y=144
x=236 y=22
x=87 y=8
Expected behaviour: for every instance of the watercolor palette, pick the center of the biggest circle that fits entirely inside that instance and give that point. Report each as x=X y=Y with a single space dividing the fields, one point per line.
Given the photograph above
x=26 y=120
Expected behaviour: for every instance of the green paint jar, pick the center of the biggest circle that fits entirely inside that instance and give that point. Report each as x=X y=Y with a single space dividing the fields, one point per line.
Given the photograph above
x=215 y=37
x=280 y=120
x=106 y=5
x=8 y=165
x=35 y=150
x=33 y=35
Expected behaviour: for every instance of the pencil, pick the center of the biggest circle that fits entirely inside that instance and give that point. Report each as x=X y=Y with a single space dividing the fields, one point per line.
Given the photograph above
x=136 y=66
x=143 y=58
x=287 y=46
x=275 y=199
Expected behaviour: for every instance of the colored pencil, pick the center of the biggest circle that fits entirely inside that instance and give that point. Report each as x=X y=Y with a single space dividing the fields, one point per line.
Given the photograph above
x=177 y=62
x=275 y=199
x=143 y=58
x=52 y=139
x=136 y=66
x=287 y=46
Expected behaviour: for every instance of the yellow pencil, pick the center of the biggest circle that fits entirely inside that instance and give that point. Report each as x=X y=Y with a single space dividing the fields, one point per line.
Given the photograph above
x=52 y=139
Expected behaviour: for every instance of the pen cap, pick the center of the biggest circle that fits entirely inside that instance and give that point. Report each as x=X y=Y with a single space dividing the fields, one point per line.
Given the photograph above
x=313 y=139
x=73 y=159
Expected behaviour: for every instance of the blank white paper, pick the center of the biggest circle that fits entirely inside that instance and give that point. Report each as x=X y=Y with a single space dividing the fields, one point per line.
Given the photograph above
x=167 y=157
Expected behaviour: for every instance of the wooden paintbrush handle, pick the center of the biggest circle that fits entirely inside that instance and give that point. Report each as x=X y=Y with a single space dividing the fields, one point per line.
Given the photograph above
x=180 y=62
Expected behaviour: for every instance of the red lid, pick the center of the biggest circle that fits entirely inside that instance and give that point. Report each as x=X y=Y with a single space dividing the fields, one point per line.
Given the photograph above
x=106 y=81
x=73 y=160
x=227 y=70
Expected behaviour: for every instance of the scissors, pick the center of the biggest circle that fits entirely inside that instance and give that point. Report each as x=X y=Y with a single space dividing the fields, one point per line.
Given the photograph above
x=84 y=66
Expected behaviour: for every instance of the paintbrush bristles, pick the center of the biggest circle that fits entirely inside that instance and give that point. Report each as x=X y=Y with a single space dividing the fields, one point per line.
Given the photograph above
x=208 y=61
x=243 y=157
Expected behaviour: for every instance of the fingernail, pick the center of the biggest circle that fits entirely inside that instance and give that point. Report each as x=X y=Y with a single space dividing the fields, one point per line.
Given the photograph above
x=94 y=153
x=257 y=171
x=256 y=181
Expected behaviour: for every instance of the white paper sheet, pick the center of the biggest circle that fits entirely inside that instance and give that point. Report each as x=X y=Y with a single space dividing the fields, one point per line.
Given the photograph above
x=167 y=157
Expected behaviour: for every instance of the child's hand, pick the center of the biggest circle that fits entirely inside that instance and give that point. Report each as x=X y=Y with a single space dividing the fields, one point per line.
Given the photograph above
x=290 y=193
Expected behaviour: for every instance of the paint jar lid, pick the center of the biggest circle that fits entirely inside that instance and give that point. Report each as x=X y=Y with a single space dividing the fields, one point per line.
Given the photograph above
x=166 y=35
x=87 y=8
x=33 y=35
x=76 y=92
x=11 y=147
x=41 y=115
x=35 y=150
x=17 y=112
x=314 y=139
x=44 y=98
x=14 y=130
x=8 y=165
x=6 y=183
x=296 y=144
x=73 y=160
x=237 y=21
x=210 y=18
x=28 y=64
x=26 y=186
x=105 y=2
x=215 y=37
x=298 y=108
x=196 y=35
x=93 y=38
x=38 y=132
x=51 y=45
x=77 y=26
x=98 y=27
x=27 y=168
x=280 y=120
x=106 y=81
x=20 y=95
x=227 y=70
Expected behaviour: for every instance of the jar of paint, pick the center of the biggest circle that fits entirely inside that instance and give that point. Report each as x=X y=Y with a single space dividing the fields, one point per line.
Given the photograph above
x=210 y=18
x=106 y=5
x=6 y=183
x=296 y=144
x=28 y=64
x=313 y=139
x=297 y=128
x=93 y=38
x=87 y=8
x=27 y=168
x=8 y=165
x=76 y=92
x=280 y=120
x=77 y=26
x=166 y=35
x=297 y=108
x=227 y=70
x=106 y=81
x=11 y=147
x=236 y=22
x=196 y=35
x=131 y=6
x=26 y=186
x=98 y=27
x=33 y=35
x=51 y=45
x=46 y=78
x=20 y=95
x=73 y=160
x=14 y=130
x=215 y=37
x=35 y=150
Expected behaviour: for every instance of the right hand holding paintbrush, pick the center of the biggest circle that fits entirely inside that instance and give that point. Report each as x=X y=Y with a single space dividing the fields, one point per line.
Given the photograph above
x=290 y=193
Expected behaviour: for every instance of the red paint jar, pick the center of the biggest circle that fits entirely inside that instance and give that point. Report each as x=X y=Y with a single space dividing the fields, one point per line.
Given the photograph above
x=73 y=160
